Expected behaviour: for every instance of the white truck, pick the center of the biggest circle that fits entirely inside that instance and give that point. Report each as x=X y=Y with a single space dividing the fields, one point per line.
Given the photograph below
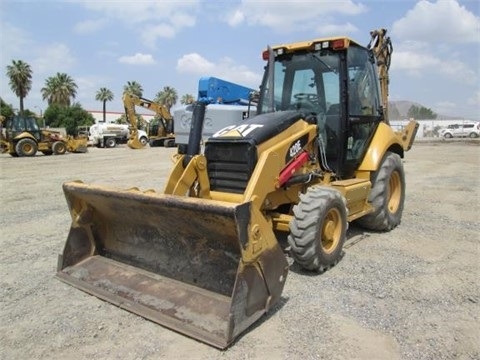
x=108 y=135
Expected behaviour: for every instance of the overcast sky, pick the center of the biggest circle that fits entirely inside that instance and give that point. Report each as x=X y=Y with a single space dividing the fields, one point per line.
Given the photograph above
x=436 y=58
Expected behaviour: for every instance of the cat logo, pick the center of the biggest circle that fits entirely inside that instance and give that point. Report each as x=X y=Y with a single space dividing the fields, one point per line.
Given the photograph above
x=237 y=130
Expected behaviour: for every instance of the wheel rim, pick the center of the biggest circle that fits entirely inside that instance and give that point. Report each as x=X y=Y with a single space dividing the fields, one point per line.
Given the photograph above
x=394 y=192
x=331 y=231
x=27 y=149
x=60 y=149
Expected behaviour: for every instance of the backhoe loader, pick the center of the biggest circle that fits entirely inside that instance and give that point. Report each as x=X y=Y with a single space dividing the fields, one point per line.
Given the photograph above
x=160 y=129
x=203 y=257
x=21 y=136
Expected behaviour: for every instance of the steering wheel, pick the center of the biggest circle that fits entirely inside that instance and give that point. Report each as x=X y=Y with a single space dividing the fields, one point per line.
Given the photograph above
x=306 y=101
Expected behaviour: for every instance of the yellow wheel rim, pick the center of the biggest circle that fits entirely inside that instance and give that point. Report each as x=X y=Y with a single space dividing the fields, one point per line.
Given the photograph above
x=27 y=148
x=394 y=192
x=331 y=231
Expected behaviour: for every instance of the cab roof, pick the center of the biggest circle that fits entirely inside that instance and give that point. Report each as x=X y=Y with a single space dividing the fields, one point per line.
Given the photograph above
x=304 y=45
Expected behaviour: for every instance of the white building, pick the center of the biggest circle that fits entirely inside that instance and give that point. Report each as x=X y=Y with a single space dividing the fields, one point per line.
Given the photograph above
x=112 y=116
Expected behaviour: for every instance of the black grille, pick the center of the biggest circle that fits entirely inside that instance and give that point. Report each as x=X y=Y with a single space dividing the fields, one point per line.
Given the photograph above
x=230 y=164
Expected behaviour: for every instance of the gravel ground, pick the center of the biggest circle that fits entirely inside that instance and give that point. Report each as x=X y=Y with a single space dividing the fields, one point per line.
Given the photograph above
x=412 y=293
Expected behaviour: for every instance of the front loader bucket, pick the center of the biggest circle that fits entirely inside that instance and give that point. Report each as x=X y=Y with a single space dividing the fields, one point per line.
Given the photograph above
x=186 y=263
x=77 y=145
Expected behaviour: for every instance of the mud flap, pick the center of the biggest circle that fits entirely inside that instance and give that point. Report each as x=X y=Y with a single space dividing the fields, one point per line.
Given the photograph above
x=182 y=262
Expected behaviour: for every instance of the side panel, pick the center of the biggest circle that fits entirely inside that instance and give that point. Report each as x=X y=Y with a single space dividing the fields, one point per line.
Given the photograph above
x=384 y=139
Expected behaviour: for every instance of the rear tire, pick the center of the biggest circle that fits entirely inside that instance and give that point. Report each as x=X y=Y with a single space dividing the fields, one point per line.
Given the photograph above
x=387 y=195
x=110 y=142
x=26 y=147
x=143 y=140
x=59 y=148
x=473 y=135
x=318 y=230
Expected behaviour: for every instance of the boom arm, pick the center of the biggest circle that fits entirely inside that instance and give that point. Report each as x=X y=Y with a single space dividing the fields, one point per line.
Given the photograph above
x=129 y=102
x=382 y=50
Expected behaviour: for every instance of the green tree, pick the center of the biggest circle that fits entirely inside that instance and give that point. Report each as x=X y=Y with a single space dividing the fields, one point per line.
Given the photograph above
x=104 y=95
x=6 y=110
x=133 y=88
x=69 y=117
x=59 y=89
x=187 y=99
x=20 y=77
x=168 y=97
x=420 y=112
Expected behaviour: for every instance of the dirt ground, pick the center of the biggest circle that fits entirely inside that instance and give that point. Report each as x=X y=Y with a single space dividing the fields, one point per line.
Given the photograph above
x=412 y=293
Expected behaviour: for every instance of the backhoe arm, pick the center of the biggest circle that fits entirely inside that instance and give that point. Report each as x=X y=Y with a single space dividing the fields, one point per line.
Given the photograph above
x=129 y=104
x=382 y=50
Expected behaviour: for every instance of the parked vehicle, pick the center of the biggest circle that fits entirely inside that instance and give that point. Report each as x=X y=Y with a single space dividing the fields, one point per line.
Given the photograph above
x=470 y=129
x=109 y=135
x=205 y=256
x=22 y=136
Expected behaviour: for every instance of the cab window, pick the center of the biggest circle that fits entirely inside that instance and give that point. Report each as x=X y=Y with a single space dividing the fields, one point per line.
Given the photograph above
x=363 y=88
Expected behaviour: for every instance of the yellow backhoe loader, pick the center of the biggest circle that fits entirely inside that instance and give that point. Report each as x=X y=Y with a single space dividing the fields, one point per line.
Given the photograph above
x=160 y=129
x=21 y=136
x=202 y=257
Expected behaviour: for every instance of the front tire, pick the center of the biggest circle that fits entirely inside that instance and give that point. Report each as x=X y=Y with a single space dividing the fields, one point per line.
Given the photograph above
x=387 y=195
x=318 y=229
x=59 y=148
x=26 y=147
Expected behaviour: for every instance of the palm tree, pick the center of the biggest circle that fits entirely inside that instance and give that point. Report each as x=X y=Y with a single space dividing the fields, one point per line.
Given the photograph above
x=168 y=97
x=133 y=88
x=59 y=89
x=187 y=99
x=104 y=95
x=20 y=75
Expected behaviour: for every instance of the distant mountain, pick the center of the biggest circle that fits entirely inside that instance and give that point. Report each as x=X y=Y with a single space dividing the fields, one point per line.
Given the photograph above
x=398 y=110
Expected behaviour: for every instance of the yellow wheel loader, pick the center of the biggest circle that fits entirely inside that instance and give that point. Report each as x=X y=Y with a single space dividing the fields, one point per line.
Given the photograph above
x=203 y=256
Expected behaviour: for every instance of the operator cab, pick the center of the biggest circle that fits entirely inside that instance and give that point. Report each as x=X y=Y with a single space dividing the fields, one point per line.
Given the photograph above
x=333 y=82
x=19 y=124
